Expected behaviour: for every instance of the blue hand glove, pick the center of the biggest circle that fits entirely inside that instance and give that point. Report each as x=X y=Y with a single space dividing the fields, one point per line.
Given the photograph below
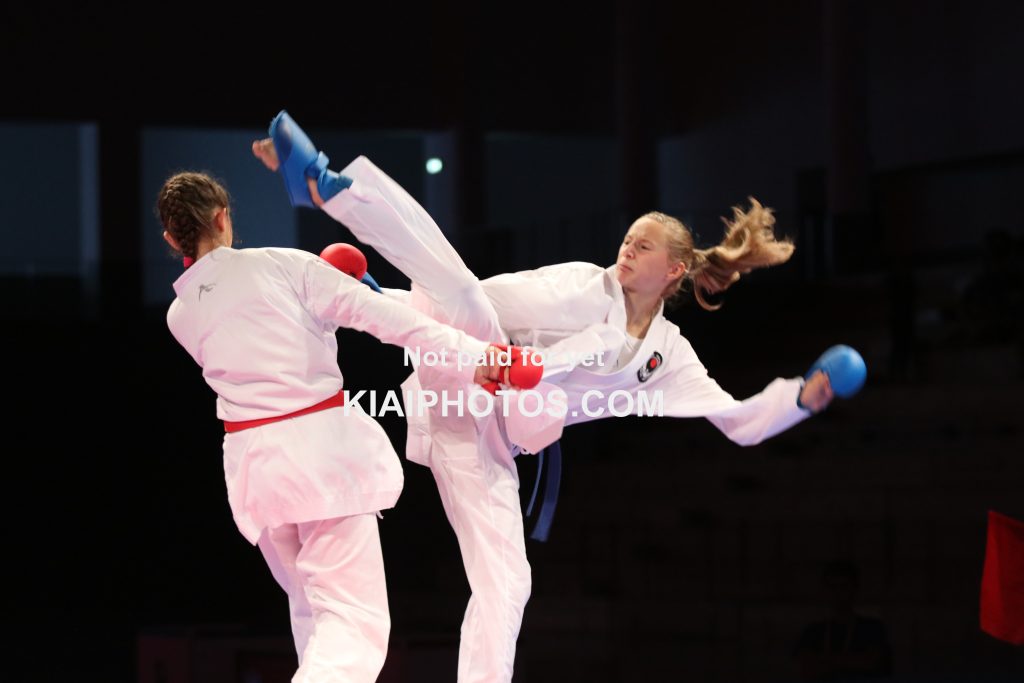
x=371 y=283
x=845 y=369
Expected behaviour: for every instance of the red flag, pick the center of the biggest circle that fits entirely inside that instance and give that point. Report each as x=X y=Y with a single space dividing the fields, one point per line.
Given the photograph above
x=1002 y=582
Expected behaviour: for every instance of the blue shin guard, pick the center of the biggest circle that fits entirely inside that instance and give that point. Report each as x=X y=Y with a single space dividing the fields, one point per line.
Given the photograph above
x=300 y=160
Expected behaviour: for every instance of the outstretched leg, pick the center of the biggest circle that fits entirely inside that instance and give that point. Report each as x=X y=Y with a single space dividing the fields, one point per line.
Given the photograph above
x=380 y=213
x=475 y=475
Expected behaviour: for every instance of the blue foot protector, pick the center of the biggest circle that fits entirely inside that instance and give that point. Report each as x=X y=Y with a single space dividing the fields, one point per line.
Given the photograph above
x=300 y=160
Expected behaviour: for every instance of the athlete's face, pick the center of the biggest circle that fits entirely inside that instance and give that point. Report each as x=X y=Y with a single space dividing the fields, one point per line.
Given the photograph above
x=644 y=264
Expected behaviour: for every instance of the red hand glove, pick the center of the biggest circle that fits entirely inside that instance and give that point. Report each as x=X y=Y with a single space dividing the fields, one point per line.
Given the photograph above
x=523 y=372
x=345 y=258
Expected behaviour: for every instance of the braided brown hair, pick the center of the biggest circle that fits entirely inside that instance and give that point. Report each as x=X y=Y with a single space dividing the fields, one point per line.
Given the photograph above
x=186 y=205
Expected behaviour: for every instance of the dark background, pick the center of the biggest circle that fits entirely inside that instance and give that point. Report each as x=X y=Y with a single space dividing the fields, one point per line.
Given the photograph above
x=888 y=137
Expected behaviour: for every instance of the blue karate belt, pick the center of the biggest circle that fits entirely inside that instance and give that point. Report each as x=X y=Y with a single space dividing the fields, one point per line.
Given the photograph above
x=552 y=456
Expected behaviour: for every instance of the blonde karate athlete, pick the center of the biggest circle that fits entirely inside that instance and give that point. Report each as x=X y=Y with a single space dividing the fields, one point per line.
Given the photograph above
x=570 y=310
x=306 y=475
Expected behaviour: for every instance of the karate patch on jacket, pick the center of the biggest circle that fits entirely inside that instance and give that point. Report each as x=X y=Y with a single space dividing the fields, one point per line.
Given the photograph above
x=648 y=368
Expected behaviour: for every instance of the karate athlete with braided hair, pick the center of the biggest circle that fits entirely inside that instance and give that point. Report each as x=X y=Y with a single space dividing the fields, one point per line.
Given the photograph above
x=305 y=474
x=571 y=307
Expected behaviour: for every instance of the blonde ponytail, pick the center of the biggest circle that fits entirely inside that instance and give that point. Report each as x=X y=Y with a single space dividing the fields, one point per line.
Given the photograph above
x=749 y=243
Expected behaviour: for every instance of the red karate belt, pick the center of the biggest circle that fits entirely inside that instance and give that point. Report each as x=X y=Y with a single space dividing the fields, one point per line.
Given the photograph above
x=335 y=401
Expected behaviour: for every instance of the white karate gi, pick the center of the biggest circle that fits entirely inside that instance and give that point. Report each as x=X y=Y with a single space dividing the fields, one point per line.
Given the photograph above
x=261 y=324
x=568 y=307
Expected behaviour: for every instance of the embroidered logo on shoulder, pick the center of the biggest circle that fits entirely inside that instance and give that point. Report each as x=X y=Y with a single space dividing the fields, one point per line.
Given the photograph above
x=652 y=364
x=205 y=288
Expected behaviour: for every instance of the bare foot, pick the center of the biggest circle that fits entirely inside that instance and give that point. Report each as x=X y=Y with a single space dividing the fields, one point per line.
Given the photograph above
x=313 y=192
x=265 y=152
